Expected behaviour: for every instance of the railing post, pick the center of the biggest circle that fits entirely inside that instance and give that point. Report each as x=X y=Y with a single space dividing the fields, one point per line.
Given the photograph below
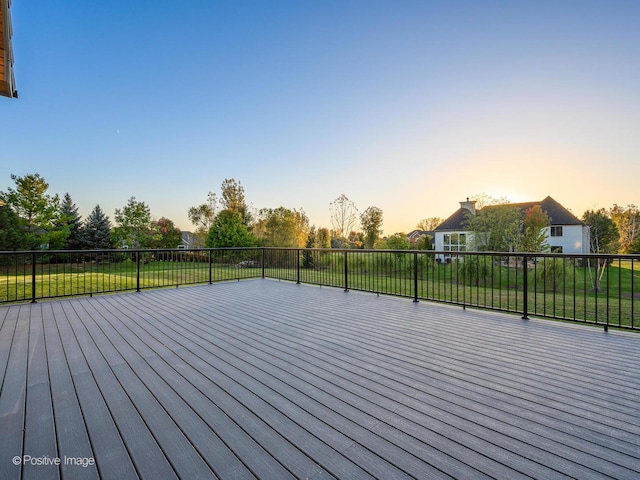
x=298 y=266
x=33 y=277
x=415 y=277
x=525 y=288
x=137 y=271
x=346 y=273
x=263 y=256
x=210 y=266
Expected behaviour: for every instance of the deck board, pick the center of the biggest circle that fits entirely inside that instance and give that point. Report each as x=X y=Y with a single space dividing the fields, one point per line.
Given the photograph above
x=13 y=393
x=101 y=429
x=267 y=379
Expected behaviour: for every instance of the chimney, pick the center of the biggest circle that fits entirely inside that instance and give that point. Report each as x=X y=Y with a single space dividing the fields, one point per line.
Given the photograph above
x=469 y=205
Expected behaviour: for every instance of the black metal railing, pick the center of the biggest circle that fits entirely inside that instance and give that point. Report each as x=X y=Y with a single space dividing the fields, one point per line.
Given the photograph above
x=597 y=289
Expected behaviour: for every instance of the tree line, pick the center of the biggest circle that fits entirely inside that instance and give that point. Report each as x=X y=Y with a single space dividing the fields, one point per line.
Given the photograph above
x=31 y=218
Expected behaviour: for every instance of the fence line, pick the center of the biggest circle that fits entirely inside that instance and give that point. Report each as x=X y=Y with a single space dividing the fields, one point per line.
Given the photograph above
x=598 y=289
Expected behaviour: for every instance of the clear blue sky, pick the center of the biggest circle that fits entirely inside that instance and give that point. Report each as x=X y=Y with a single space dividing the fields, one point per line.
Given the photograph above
x=410 y=106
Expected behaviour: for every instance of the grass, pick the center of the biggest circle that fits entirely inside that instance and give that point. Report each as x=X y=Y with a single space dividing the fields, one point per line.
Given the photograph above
x=70 y=279
x=554 y=290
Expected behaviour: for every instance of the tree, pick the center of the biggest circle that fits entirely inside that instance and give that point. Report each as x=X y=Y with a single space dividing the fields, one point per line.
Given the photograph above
x=133 y=228
x=282 y=227
x=96 y=231
x=371 y=222
x=534 y=238
x=11 y=234
x=307 y=256
x=71 y=221
x=424 y=242
x=355 y=239
x=483 y=200
x=635 y=246
x=166 y=234
x=397 y=241
x=428 y=224
x=228 y=230
x=497 y=228
x=603 y=238
x=323 y=238
x=203 y=216
x=232 y=198
x=343 y=216
x=603 y=232
x=627 y=219
x=37 y=211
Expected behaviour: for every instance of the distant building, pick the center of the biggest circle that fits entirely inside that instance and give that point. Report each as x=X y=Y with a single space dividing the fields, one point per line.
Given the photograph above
x=7 y=82
x=189 y=241
x=566 y=234
x=417 y=235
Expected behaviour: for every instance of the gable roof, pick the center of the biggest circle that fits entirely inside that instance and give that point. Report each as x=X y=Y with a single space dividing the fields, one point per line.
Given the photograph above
x=457 y=221
x=556 y=212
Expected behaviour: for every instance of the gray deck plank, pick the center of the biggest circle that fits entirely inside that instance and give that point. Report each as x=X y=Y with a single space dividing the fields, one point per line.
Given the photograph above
x=568 y=466
x=71 y=431
x=325 y=452
x=179 y=451
x=163 y=382
x=203 y=397
x=555 y=446
x=108 y=449
x=270 y=379
x=147 y=457
x=40 y=434
x=322 y=399
x=437 y=428
x=13 y=396
x=410 y=360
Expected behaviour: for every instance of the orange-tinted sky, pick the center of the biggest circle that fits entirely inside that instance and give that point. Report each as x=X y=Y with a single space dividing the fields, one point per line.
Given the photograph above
x=410 y=106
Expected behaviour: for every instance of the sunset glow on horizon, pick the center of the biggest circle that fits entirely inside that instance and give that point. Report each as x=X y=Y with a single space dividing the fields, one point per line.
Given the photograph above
x=410 y=106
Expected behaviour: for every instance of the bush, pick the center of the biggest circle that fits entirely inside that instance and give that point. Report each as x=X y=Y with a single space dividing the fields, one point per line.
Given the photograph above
x=475 y=270
x=551 y=273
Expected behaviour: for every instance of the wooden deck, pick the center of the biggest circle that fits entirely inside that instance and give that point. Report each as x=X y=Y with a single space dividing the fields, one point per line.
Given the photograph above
x=267 y=379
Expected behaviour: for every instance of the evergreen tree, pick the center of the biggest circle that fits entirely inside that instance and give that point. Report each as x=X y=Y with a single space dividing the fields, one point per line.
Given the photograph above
x=96 y=231
x=70 y=221
x=307 y=256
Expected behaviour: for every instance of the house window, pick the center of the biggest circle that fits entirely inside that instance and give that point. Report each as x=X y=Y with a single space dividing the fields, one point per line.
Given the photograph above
x=455 y=242
x=556 y=231
x=557 y=249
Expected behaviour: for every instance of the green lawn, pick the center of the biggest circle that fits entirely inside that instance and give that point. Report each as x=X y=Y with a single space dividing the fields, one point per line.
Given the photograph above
x=565 y=293
x=68 y=279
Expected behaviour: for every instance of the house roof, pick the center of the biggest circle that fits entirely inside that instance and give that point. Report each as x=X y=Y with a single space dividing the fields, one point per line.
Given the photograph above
x=457 y=221
x=7 y=82
x=558 y=214
x=419 y=233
